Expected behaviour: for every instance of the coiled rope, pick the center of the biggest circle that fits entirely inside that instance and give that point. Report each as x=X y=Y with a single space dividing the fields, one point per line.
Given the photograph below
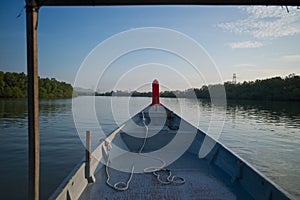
x=122 y=186
x=155 y=170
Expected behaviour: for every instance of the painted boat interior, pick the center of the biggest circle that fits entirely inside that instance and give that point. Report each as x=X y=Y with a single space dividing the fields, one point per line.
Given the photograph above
x=212 y=172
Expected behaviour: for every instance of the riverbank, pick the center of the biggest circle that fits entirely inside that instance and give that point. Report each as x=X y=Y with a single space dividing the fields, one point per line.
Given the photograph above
x=271 y=89
x=14 y=85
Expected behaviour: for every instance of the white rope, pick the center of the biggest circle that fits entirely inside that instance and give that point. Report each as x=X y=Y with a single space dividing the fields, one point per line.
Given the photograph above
x=149 y=169
x=154 y=170
x=170 y=179
x=122 y=186
x=146 y=134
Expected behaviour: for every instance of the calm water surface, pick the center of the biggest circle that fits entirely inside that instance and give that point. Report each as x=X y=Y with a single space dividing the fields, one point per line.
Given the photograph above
x=266 y=134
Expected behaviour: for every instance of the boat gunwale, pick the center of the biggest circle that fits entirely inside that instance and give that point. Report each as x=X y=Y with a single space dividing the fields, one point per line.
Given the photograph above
x=272 y=184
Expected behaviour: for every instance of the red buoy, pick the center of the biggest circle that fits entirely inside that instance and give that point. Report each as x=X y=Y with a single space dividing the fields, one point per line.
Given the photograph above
x=155 y=93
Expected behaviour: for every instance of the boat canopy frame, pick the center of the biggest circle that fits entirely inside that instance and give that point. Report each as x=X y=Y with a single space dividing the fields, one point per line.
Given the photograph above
x=161 y=2
x=32 y=8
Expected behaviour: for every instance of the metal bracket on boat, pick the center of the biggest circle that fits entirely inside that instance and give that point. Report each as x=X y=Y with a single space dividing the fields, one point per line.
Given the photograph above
x=107 y=145
x=106 y=142
x=213 y=154
x=88 y=173
x=170 y=121
x=238 y=174
x=89 y=176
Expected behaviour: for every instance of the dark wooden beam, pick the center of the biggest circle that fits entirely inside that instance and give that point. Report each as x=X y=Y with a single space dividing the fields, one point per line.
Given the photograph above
x=33 y=101
x=165 y=2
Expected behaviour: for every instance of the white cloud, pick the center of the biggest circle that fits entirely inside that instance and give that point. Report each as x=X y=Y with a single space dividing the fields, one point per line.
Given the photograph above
x=246 y=44
x=245 y=65
x=291 y=58
x=266 y=22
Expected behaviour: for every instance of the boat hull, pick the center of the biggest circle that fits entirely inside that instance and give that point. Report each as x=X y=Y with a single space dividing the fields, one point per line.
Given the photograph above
x=210 y=170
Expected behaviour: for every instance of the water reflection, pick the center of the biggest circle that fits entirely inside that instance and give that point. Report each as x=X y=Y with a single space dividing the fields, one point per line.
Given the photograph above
x=55 y=107
x=13 y=108
x=277 y=113
x=13 y=112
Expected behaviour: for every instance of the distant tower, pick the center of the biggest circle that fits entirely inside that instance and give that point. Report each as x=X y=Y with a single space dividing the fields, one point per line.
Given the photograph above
x=234 y=78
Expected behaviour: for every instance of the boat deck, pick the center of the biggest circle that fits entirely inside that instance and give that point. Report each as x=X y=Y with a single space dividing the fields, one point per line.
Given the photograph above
x=219 y=175
x=201 y=182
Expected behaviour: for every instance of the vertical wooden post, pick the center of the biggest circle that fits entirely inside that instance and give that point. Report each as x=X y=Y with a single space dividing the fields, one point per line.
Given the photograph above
x=89 y=176
x=88 y=147
x=33 y=100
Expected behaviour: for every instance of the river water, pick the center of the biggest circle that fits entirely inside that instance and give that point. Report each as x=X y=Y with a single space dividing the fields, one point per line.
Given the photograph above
x=265 y=134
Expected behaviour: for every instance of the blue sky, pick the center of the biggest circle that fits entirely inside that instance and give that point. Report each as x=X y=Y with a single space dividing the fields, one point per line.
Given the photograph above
x=253 y=42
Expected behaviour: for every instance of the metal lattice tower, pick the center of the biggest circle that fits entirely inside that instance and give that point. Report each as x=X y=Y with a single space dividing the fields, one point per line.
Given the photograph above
x=234 y=78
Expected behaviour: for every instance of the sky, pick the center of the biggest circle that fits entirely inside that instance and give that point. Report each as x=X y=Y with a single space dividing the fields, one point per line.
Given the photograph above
x=253 y=42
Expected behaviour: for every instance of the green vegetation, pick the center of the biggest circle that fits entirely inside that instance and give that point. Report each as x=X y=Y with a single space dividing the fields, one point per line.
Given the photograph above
x=136 y=94
x=274 y=89
x=14 y=85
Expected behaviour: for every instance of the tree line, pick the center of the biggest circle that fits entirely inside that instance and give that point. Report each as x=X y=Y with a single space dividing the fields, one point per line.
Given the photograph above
x=14 y=85
x=274 y=89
